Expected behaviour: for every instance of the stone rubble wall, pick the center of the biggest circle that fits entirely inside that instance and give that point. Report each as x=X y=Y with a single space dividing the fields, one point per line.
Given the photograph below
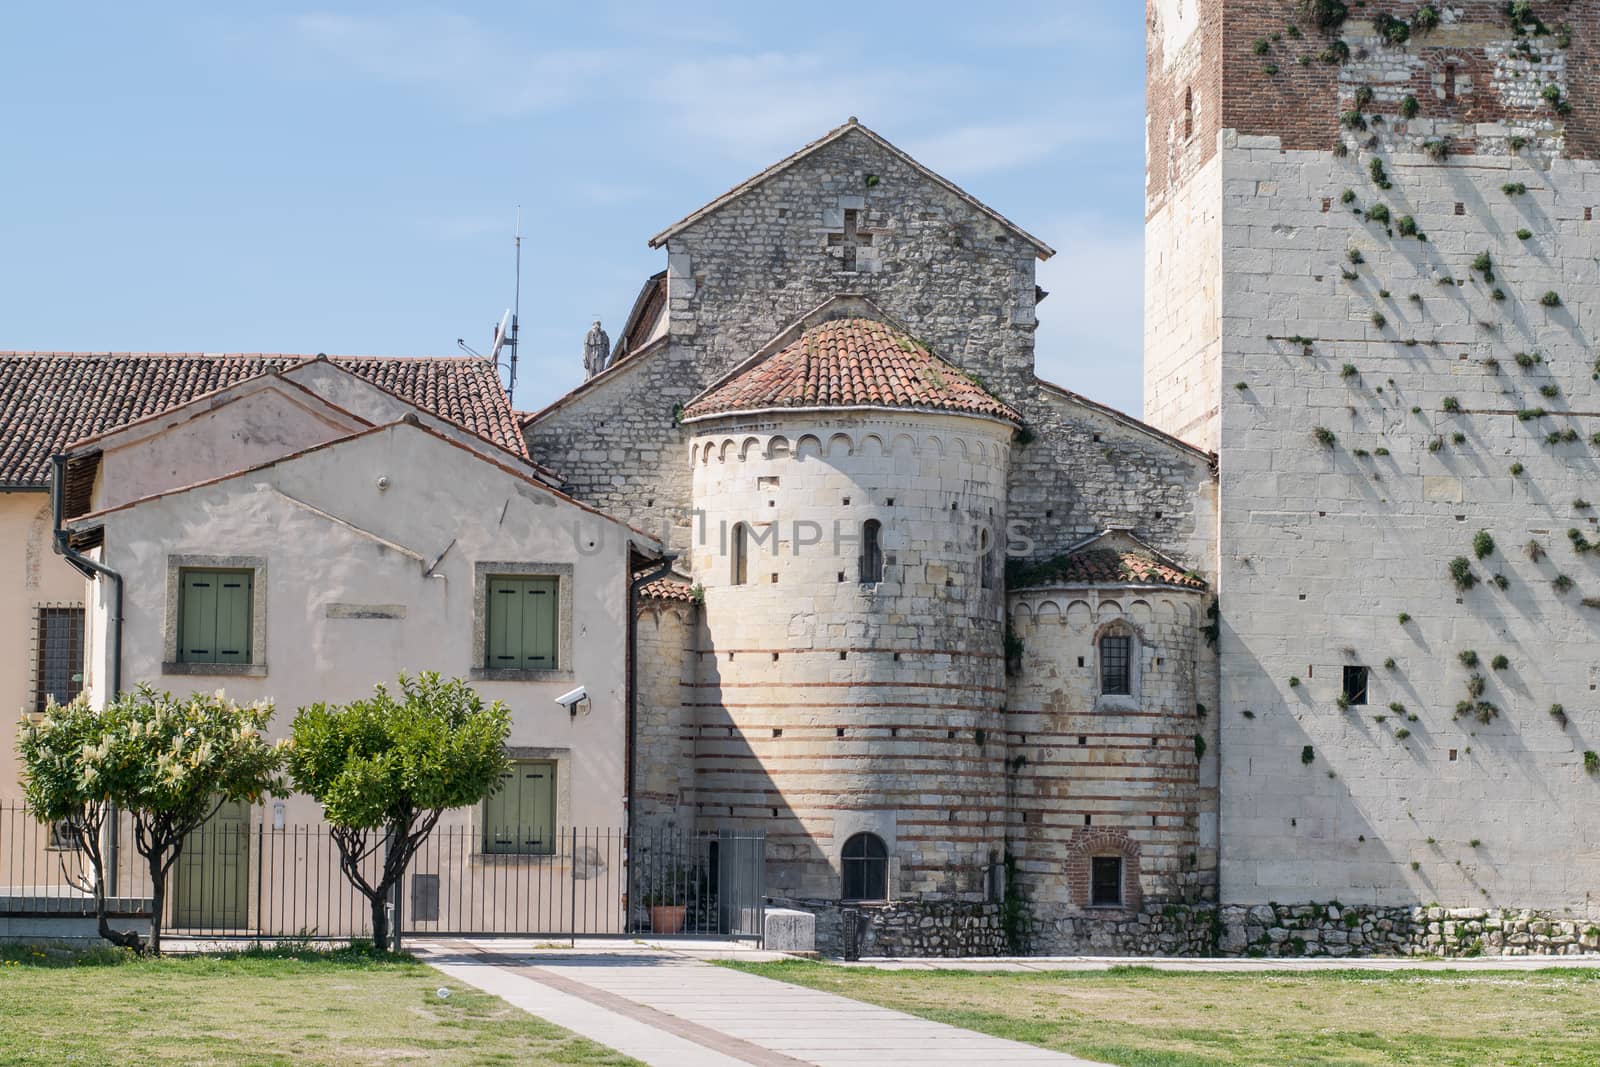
x=953 y=930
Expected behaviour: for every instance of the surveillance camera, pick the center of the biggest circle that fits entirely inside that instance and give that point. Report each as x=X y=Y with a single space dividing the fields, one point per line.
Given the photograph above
x=570 y=699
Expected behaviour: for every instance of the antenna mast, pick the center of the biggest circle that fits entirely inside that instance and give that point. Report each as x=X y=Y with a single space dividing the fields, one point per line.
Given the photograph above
x=516 y=306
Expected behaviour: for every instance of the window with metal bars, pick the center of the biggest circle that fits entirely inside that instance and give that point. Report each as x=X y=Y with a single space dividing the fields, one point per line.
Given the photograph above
x=1116 y=658
x=865 y=860
x=1355 y=685
x=58 y=655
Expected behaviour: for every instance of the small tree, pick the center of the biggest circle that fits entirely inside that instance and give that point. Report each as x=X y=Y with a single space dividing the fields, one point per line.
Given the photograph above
x=385 y=770
x=54 y=750
x=172 y=762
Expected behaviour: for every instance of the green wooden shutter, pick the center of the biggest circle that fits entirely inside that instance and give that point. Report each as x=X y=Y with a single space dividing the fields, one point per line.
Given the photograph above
x=539 y=600
x=214 y=616
x=198 y=618
x=233 y=616
x=537 y=813
x=522 y=623
x=499 y=815
x=505 y=624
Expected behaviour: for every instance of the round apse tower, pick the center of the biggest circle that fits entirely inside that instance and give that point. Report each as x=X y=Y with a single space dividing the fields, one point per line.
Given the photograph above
x=850 y=490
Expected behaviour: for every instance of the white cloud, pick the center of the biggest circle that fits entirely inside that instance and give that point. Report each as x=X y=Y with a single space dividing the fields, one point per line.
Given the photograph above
x=458 y=57
x=1091 y=329
x=982 y=148
x=762 y=106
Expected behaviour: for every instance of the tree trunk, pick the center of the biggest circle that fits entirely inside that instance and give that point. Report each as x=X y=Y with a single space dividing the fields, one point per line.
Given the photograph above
x=120 y=938
x=380 y=921
x=158 y=898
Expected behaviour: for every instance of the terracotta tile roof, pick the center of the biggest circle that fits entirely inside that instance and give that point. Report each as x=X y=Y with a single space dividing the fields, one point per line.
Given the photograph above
x=668 y=589
x=850 y=363
x=50 y=399
x=1104 y=566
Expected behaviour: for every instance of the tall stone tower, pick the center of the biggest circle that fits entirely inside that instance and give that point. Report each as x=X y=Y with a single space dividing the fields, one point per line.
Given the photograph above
x=1372 y=287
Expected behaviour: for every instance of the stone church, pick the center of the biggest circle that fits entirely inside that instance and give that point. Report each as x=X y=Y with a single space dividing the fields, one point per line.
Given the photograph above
x=1302 y=661
x=993 y=664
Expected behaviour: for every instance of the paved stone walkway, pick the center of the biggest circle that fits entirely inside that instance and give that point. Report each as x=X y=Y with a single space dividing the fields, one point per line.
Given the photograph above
x=672 y=1009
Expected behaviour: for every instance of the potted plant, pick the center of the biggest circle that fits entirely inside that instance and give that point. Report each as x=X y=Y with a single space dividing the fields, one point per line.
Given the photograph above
x=665 y=901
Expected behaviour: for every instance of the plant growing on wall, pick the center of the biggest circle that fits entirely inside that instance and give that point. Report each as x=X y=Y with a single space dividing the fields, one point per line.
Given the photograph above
x=1380 y=177
x=1451 y=405
x=385 y=769
x=1482 y=544
x=1591 y=762
x=1561 y=582
x=1323 y=436
x=1551 y=299
x=1513 y=188
x=1559 y=714
x=1307 y=755
x=1524 y=234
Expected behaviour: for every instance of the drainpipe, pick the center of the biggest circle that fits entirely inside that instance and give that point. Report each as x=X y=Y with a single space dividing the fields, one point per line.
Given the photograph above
x=93 y=571
x=632 y=667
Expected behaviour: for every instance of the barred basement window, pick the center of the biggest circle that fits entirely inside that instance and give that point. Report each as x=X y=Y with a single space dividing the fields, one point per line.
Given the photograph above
x=58 y=655
x=1105 y=881
x=1116 y=655
x=1355 y=685
x=865 y=861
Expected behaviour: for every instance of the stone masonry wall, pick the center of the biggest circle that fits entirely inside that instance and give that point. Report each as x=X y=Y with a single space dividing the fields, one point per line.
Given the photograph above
x=1092 y=775
x=961 y=282
x=829 y=706
x=665 y=730
x=1383 y=283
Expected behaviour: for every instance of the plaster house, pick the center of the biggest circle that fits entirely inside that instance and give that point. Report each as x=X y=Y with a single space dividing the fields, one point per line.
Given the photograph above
x=50 y=399
x=303 y=535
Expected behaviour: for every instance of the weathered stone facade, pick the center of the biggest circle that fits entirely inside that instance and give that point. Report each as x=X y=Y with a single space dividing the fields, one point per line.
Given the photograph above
x=1295 y=729
x=1380 y=367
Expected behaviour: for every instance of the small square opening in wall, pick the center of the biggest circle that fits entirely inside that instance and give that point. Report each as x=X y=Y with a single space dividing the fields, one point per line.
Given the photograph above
x=838 y=731
x=1080 y=661
x=1302 y=596
x=949 y=735
x=774 y=577
x=1355 y=685
x=897 y=657
x=1327 y=203
x=1461 y=209
x=894 y=731
x=846 y=501
x=844 y=655
x=891 y=502
x=777 y=731
x=1105 y=881
x=1452 y=755
x=1588 y=214
x=774 y=657
x=1088 y=820
x=1082 y=740
x=841 y=576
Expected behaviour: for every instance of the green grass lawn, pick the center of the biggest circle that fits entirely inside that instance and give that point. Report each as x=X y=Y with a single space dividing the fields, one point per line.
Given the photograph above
x=294 y=1008
x=1141 y=1017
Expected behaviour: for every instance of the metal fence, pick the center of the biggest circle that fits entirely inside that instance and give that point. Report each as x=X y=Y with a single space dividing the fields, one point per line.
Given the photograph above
x=257 y=880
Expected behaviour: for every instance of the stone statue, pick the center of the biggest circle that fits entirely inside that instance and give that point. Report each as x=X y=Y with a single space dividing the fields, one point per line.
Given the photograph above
x=596 y=350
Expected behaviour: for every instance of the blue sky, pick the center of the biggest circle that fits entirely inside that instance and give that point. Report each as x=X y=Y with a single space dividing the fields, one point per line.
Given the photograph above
x=344 y=178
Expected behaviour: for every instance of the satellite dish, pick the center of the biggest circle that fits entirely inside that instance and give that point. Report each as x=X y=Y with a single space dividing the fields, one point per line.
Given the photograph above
x=499 y=336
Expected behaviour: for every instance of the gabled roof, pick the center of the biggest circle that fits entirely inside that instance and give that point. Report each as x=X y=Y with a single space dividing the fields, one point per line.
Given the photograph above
x=1043 y=250
x=49 y=399
x=1111 y=557
x=849 y=363
x=407 y=422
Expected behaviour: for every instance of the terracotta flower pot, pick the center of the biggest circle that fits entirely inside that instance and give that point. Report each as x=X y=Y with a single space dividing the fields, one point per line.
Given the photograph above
x=667 y=918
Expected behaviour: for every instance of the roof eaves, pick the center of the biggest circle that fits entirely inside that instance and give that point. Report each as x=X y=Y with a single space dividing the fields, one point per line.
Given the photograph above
x=582 y=387
x=1129 y=421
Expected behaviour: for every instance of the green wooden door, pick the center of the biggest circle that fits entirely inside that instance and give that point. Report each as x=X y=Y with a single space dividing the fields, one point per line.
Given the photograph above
x=522 y=623
x=215 y=616
x=212 y=884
